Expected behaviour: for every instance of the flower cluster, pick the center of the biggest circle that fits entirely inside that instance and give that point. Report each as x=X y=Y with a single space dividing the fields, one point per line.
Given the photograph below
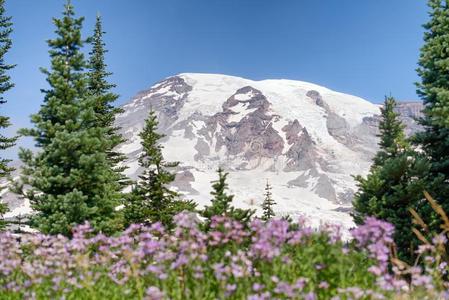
x=268 y=260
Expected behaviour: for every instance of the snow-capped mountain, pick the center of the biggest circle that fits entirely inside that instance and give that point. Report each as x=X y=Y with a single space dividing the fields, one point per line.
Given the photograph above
x=305 y=140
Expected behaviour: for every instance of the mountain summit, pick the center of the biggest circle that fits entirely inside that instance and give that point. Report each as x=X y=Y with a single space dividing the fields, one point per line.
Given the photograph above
x=306 y=140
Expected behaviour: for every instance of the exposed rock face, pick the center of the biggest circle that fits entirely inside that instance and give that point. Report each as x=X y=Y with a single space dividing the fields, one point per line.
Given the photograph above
x=411 y=112
x=167 y=98
x=336 y=125
x=306 y=140
x=410 y=109
x=245 y=126
x=301 y=155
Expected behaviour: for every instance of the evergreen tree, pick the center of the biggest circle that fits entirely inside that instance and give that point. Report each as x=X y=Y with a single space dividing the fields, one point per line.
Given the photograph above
x=3 y=210
x=97 y=80
x=395 y=182
x=391 y=142
x=434 y=91
x=70 y=176
x=391 y=133
x=221 y=204
x=100 y=88
x=151 y=200
x=268 y=203
x=5 y=85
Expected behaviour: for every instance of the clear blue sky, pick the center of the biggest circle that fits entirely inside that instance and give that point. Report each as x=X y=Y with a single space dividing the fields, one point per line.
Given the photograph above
x=367 y=48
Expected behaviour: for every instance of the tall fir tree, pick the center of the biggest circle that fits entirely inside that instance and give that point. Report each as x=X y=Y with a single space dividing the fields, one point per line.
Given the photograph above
x=70 y=177
x=268 y=203
x=221 y=204
x=395 y=182
x=391 y=133
x=151 y=199
x=5 y=85
x=101 y=89
x=434 y=91
x=98 y=84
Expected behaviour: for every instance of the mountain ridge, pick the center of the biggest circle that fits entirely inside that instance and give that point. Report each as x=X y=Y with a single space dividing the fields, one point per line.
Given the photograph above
x=302 y=137
x=305 y=139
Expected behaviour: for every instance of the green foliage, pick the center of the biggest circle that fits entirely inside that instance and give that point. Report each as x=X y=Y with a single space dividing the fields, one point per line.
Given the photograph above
x=395 y=182
x=136 y=210
x=388 y=192
x=391 y=133
x=151 y=200
x=434 y=91
x=70 y=176
x=100 y=88
x=268 y=203
x=179 y=205
x=5 y=85
x=221 y=204
x=3 y=210
x=97 y=79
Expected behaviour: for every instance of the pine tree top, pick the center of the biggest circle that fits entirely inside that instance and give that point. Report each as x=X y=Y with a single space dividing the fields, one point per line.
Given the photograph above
x=221 y=203
x=152 y=150
x=392 y=136
x=68 y=42
x=219 y=190
x=391 y=127
x=66 y=79
x=98 y=85
x=100 y=89
x=268 y=203
x=152 y=160
x=268 y=189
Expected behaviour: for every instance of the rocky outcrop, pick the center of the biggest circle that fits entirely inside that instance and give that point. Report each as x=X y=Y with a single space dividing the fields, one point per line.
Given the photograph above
x=336 y=125
x=410 y=113
x=244 y=127
x=358 y=138
x=301 y=155
x=167 y=98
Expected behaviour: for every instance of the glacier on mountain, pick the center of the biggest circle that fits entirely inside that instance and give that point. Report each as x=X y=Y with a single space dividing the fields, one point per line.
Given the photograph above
x=307 y=141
